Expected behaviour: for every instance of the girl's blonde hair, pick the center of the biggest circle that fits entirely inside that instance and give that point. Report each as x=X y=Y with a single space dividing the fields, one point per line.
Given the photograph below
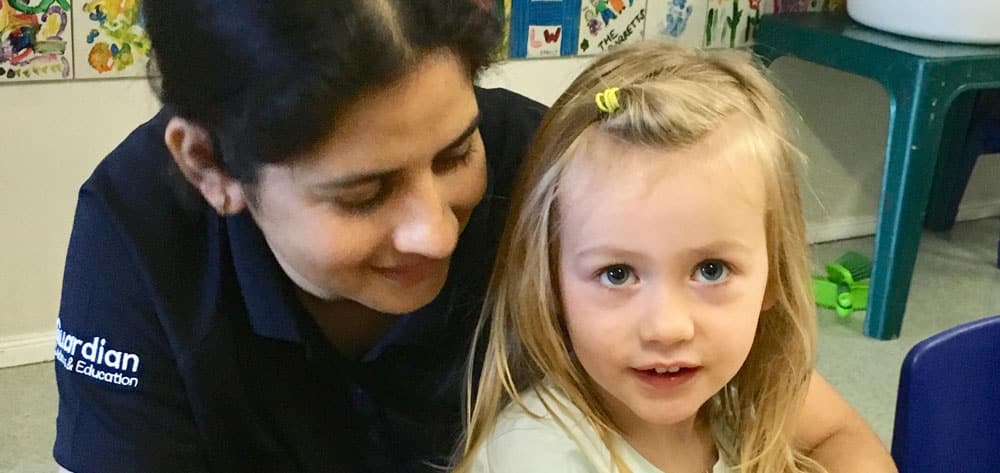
x=670 y=98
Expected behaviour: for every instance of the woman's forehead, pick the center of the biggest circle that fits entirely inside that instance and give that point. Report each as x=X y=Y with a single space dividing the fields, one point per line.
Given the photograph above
x=413 y=119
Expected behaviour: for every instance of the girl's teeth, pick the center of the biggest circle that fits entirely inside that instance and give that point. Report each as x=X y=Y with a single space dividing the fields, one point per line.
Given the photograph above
x=666 y=370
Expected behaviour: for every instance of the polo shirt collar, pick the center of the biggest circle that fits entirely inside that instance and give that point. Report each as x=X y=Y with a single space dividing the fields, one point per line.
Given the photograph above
x=269 y=295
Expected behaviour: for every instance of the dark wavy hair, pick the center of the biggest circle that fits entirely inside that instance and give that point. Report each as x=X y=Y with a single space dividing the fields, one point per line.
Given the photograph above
x=267 y=78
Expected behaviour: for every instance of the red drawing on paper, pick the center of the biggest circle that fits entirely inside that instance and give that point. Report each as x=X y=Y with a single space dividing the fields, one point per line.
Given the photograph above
x=552 y=37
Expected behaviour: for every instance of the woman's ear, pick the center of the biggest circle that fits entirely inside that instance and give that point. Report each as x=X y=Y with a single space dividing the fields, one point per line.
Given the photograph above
x=191 y=147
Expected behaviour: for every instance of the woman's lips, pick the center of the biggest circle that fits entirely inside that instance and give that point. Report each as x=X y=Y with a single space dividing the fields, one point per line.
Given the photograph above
x=414 y=272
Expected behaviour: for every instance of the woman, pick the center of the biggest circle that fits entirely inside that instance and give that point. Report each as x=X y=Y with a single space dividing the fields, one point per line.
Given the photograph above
x=282 y=270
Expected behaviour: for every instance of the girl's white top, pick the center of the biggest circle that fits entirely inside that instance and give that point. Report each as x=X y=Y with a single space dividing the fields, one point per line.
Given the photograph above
x=522 y=443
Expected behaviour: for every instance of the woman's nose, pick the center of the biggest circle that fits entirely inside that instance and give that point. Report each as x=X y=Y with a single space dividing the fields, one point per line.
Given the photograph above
x=427 y=226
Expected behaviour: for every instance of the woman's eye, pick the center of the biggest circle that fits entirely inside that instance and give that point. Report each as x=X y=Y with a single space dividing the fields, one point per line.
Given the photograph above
x=448 y=163
x=363 y=202
x=711 y=272
x=616 y=276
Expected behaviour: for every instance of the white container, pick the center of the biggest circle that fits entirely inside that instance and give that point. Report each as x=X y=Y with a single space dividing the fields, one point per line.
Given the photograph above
x=960 y=21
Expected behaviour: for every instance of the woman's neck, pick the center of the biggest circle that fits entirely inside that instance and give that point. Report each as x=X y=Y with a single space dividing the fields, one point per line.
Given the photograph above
x=351 y=327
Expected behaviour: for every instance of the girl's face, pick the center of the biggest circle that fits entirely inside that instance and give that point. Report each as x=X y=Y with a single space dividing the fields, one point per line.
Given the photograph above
x=373 y=213
x=662 y=267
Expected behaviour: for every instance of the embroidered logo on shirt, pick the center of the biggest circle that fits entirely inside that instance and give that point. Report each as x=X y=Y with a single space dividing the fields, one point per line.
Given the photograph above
x=96 y=358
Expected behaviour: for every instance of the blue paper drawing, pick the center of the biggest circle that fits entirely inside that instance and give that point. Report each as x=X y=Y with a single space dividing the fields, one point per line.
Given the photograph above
x=677 y=18
x=677 y=21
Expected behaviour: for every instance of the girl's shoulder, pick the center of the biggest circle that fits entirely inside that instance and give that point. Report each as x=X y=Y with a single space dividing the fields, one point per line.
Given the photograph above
x=528 y=438
x=547 y=433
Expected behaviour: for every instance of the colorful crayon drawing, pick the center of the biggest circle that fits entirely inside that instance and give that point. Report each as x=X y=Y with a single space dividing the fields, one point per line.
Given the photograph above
x=799 y=6
x=110 y=39
x=733 y=23
x=544 y=28
x=677 y=21
x=34 y=37
x=605 y=24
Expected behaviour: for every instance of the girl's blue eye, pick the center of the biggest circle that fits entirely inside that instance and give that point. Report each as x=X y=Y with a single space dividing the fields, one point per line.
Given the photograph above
x=711 y=272
x=616 y=275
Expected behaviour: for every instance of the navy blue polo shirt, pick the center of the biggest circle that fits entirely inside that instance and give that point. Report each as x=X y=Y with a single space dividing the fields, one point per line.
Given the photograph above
x=181 y=346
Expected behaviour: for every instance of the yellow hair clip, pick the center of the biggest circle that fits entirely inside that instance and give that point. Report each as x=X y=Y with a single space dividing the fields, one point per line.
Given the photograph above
x=607 y=101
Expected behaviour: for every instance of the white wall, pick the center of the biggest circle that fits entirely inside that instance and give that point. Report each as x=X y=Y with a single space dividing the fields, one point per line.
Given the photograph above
x=45 y=158
x=53 y=134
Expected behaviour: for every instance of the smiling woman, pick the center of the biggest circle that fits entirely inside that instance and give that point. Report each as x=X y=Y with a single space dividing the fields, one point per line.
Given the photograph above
x=296 y=247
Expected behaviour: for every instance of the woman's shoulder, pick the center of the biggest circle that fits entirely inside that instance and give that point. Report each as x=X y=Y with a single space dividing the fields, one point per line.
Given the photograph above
x=141 y=192
x=138 y=181
x=508 y=104
x=508 y=122
x=507 y=118
x=131 y=226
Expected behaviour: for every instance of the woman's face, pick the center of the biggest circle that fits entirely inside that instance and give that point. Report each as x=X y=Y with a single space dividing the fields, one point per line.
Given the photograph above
x=373 y=213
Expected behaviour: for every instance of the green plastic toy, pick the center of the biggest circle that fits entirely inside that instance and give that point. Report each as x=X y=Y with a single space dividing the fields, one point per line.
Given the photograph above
x=845 y=286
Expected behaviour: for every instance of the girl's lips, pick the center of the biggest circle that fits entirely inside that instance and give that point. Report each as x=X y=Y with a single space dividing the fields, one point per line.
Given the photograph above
x=666 y=380
x=666 y=366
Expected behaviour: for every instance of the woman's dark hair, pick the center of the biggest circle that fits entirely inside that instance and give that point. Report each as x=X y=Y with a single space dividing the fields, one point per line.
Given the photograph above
x=267 y=78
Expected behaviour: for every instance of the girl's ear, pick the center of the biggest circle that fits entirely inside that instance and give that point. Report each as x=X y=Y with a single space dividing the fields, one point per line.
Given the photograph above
x=769 y=299
x=191 y=147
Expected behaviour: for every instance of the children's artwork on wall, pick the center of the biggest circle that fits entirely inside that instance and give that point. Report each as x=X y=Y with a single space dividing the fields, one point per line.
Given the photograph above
x=35 y=40
x=503 y=13
x=800 y=6
x=109 y=38
x=677 y=21
x=544 y=28
x=605 y=24
x=756 y=9
x=836 y=5
x=733 y=23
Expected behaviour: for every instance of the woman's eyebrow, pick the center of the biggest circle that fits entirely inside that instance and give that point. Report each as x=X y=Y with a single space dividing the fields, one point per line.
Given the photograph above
x=350 y=180
x=473 y=126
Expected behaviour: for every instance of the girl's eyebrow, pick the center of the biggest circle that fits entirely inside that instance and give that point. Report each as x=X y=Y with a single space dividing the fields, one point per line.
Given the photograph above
x=710 y=248
x=728 y=244
x=356 y=179
x=606 y=250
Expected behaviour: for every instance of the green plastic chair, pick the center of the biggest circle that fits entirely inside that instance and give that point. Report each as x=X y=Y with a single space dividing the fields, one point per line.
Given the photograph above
x=927 y=83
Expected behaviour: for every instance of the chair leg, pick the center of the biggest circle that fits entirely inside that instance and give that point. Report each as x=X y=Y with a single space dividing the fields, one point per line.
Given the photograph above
x=960 y=147
x=911 y=156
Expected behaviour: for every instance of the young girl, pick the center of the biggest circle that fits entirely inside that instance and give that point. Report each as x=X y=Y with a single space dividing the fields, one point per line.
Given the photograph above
x=650 y=309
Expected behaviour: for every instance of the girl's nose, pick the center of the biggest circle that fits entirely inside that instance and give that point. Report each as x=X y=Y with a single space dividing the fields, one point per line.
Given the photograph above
x=667 y=321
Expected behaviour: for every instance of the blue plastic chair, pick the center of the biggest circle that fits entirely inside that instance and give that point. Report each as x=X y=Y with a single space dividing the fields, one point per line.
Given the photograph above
x=948 y=409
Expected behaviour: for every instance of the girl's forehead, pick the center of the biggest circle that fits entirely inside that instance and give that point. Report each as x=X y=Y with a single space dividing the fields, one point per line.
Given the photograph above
x=602 y=162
